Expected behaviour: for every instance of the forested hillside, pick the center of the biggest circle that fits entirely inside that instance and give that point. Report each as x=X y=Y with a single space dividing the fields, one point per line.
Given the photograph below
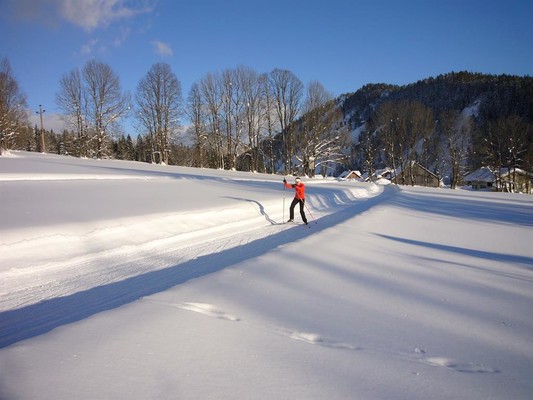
x=450 y=124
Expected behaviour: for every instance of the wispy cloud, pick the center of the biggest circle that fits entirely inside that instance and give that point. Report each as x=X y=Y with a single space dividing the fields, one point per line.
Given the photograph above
x=88 y=48
x=91 y=14
x=86 y=14
x=52 y=121
x=161 y=48
x=122 y=36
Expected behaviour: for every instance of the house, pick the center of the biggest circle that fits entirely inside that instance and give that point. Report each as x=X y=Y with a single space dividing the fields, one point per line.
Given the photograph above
x=508 y=180
x=379 y=174
x=415 y=174
x=385 y=173
x=481 y=179
x=515 y=180
x=350 y=176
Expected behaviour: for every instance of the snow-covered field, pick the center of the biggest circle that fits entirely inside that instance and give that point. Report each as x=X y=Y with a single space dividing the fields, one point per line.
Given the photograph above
x=122 y=280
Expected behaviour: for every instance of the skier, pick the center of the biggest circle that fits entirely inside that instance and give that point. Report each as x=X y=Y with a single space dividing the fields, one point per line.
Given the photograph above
x=299 y=198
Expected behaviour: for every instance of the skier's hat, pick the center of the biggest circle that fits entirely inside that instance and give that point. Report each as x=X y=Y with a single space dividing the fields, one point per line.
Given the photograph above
x=297 y=179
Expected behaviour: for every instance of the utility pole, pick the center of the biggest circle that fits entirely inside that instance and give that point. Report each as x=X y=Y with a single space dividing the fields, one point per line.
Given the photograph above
x=40 y=112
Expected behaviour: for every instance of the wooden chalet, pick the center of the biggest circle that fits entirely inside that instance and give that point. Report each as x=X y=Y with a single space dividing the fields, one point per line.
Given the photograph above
x=481 y=179
x=350 y=176
x=416 y=175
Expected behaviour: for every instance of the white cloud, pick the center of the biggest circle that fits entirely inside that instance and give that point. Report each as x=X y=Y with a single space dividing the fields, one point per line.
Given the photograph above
x=91 y=14
x=163 y=49
x=51 y=121
x=87 y=14
x=88 y=47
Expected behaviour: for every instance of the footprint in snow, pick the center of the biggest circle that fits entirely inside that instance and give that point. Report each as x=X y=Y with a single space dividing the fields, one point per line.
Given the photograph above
x=202 y=308
x=207 y=309
x=313 y=338
x=467 y=367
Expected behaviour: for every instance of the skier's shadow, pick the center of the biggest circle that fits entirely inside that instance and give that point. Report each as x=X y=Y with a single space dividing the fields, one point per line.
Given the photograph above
x=261 y=208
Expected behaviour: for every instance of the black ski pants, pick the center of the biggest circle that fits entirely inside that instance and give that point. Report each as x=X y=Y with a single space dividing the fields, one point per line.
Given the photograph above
x=302 y=212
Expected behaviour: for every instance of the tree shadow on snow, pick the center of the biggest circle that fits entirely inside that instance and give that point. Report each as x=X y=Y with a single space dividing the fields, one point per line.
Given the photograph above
x=453 y=204
x=525 y=261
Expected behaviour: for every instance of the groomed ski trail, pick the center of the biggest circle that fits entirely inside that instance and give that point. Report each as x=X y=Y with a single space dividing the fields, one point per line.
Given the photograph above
x=39 y=298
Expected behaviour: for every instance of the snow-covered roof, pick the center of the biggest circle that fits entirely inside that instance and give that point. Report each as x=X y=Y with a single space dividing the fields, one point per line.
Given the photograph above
x=350 y=173
x=384 y=171
x=509 y=171
x=483 y=174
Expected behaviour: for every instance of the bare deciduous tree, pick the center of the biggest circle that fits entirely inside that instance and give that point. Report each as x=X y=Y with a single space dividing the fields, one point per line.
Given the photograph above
x=507 y=145
x=105 y=102
x=369 y=144
x=457 y=141
x=385 y=123
x=287 y=91
x=159 y=101
x=404 y=127
x=71 y=100
x=232 y=107
x=196 y=113
x=251 y=94
x=210 y=87
x=13 y=114
x=268 y=119
x=319 y=140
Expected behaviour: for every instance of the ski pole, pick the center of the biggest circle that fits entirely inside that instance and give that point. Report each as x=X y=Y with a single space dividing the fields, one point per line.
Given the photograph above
x=309 y=211
x=283 y=221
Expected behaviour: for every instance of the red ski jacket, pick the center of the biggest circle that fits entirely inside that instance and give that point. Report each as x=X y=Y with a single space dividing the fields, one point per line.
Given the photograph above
x=299 y=189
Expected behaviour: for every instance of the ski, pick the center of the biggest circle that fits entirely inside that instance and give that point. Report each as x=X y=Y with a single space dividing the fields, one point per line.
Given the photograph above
x=308 y=225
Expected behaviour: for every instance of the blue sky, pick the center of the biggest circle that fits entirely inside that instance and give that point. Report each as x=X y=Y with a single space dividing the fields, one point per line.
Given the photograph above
x=343 y=44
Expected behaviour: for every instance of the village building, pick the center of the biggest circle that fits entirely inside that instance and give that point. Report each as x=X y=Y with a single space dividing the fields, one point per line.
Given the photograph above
x=506 y=180
x=481 y=179
x=415 y=174
x=515 y=180
x=350 y=176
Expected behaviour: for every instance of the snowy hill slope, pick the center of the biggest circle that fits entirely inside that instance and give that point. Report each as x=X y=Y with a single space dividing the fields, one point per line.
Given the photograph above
x=130 y=281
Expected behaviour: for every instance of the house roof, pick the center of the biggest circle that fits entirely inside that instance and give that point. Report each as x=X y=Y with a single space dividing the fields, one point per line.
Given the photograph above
x=347 y=174
x=399 y=170
x=510 y=171
x=483 y=174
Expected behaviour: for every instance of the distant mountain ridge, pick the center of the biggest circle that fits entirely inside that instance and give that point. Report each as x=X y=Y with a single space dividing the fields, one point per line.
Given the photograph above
x=499 y=95
x=486 y=98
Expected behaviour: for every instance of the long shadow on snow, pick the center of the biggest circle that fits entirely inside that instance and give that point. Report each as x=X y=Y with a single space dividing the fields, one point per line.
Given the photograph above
x=37 y=319
x=527 y=262
x=453 y=204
